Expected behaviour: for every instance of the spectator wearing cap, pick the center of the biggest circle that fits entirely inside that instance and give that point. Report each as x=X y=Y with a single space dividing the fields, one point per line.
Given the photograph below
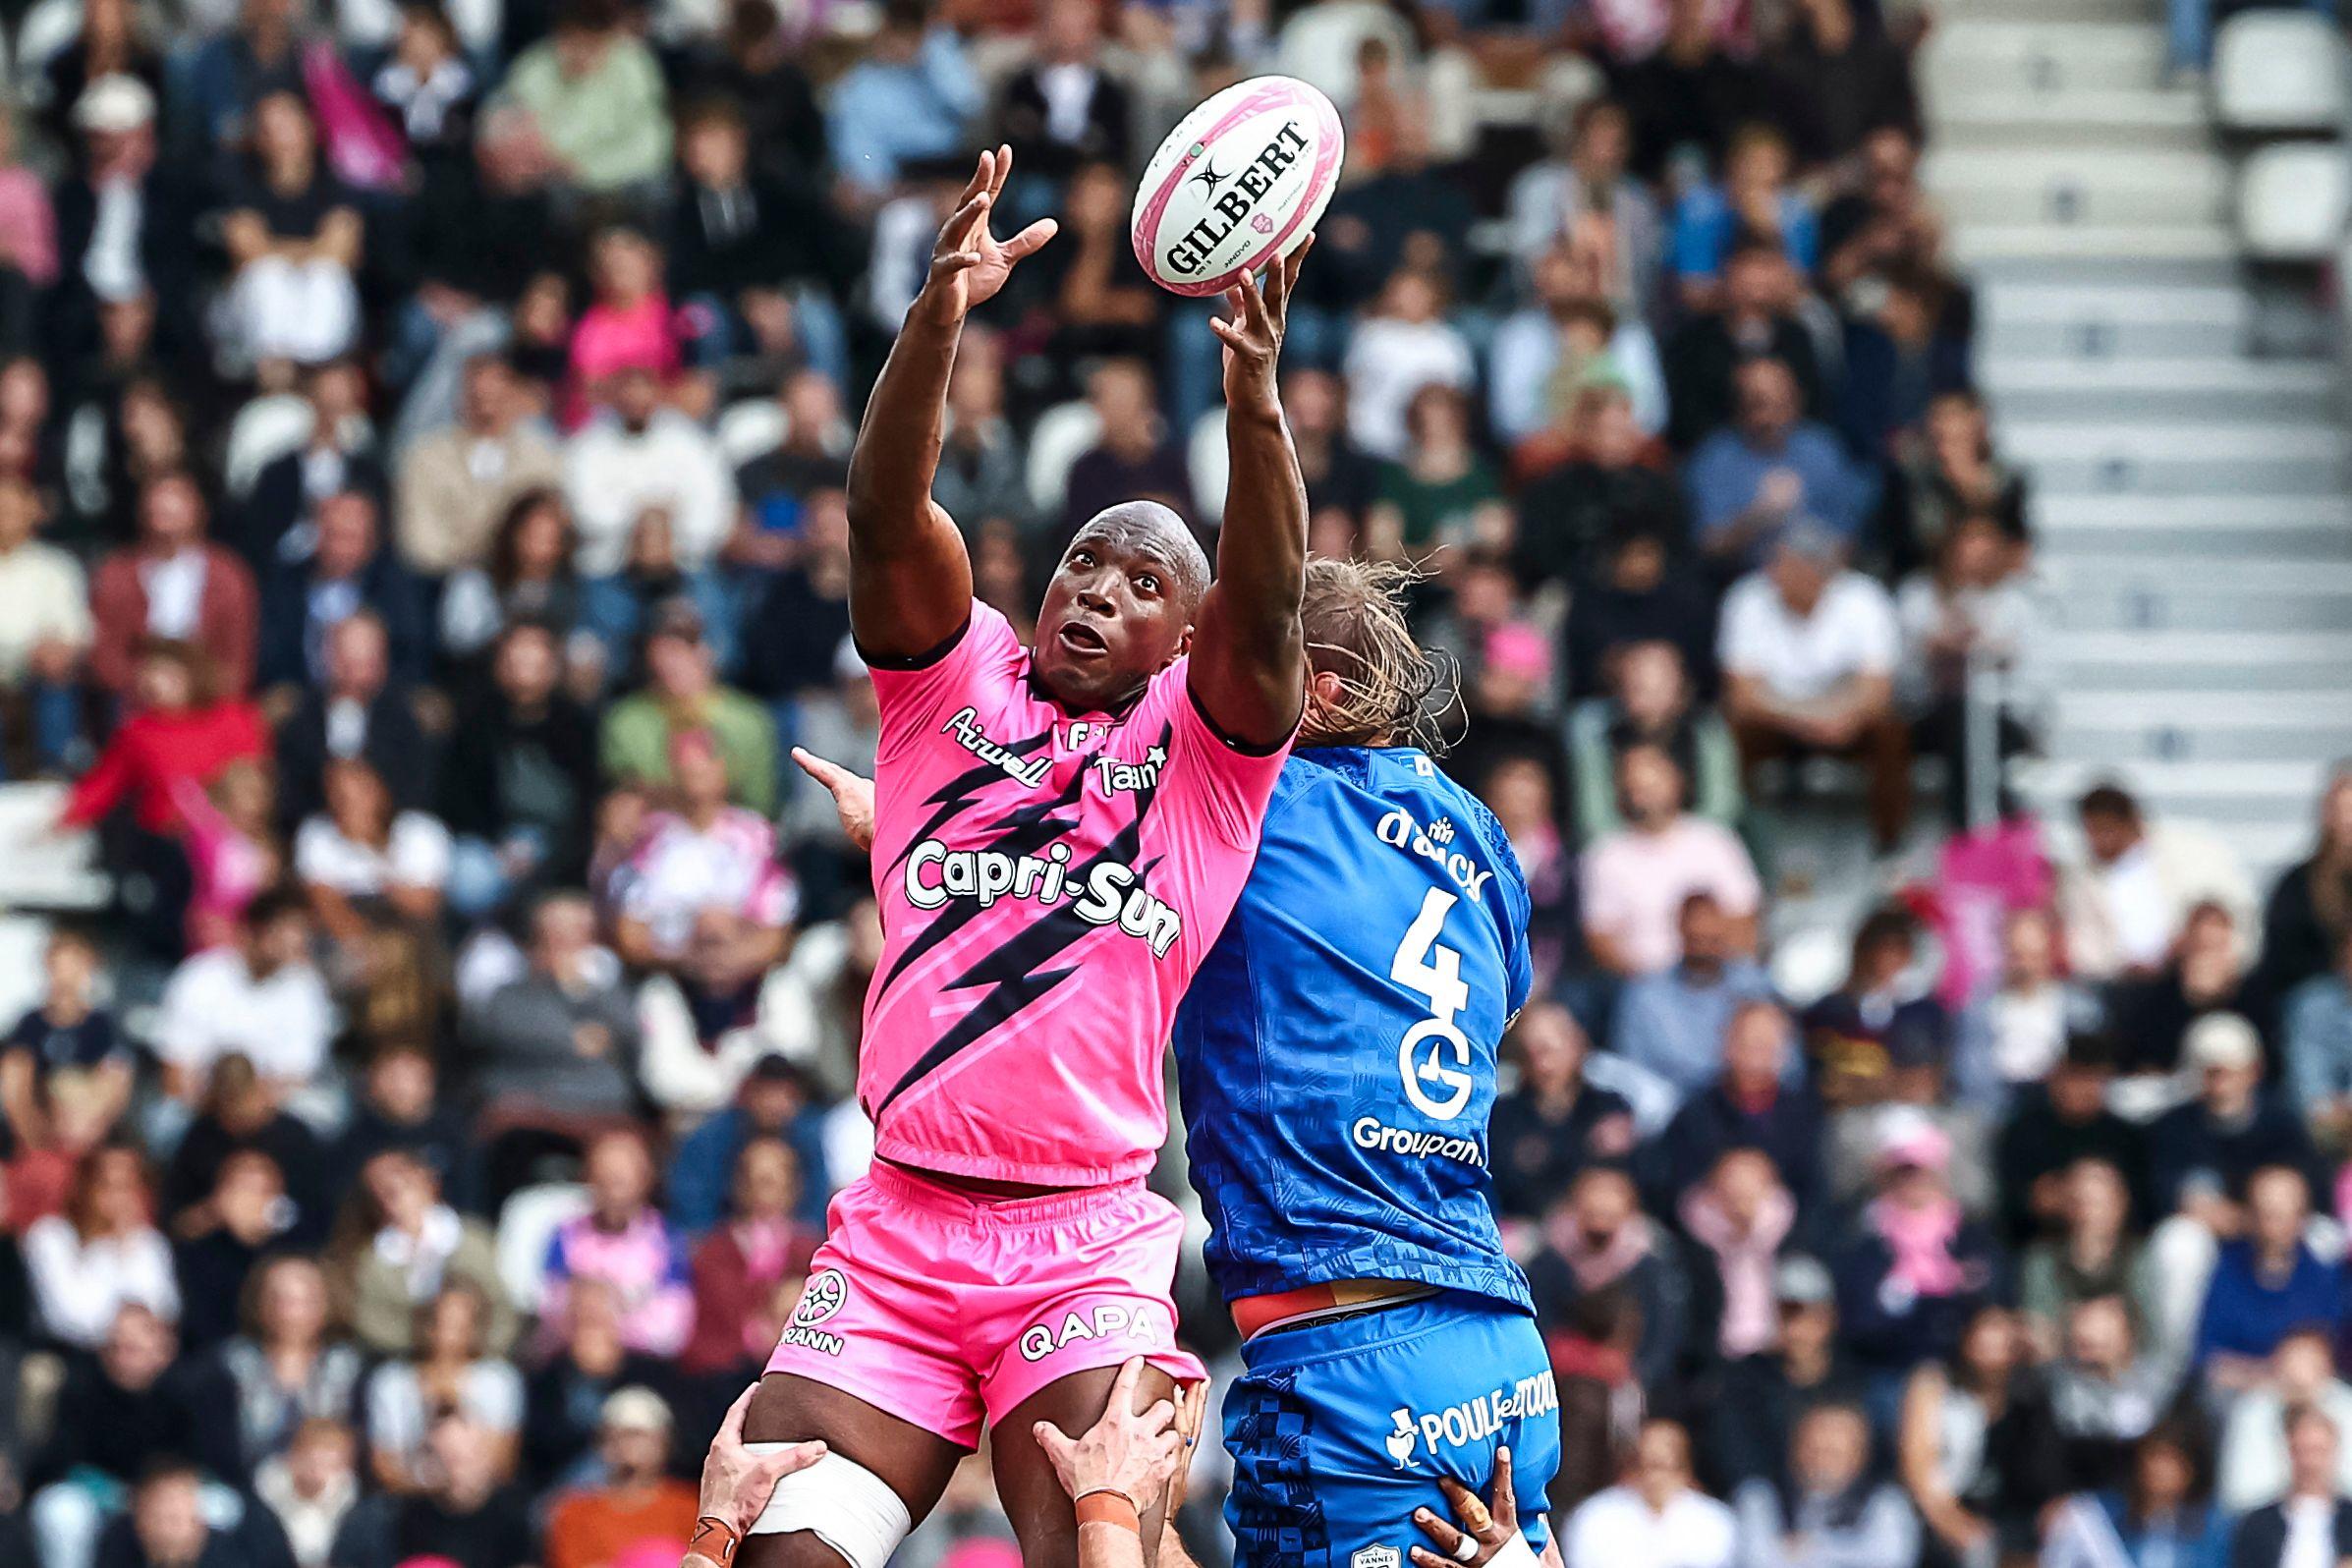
x=1914 y=1267
x=1656 y=1514
x=457 y=483
x=2051 y=1125
x=595 y=95
x=2203 y=1155
x=645 y=459
x=1756 y=1400
x=173 y=583
x=1833 y=1510
x=1673 y=1020
x=125 y=228
x=633 y=1501
x=2312 y=1522
x=913 y=96
x=2264 y=1283
x=2124 y=904
x=1758 y=1101
x=682 y=697
x=1808 y=649
x=741 y=1267
x=358 y=708
x=1635 y=880
x=1768 y=469
x=1553 y=1123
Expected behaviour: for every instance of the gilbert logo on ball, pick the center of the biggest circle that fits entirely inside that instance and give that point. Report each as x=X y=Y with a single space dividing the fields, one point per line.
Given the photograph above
x=1240 y=182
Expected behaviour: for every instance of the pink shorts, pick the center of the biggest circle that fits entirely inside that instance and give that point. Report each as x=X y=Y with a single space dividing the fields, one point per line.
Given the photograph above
x=944 y=1309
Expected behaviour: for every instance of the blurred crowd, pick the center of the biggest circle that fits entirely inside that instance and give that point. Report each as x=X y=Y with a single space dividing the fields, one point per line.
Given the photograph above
x=422 y=435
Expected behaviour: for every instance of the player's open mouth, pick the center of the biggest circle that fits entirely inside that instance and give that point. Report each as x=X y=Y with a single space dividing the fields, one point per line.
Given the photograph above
x=1081 y=641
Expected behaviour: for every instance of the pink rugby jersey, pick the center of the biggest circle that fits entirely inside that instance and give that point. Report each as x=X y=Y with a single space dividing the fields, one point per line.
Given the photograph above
x=1048 y=883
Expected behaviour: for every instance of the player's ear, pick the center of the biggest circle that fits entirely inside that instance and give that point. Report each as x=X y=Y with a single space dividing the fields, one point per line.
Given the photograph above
x=1184 y=645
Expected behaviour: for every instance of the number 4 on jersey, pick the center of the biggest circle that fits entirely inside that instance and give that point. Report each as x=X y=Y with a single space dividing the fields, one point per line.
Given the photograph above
x=1431 y=970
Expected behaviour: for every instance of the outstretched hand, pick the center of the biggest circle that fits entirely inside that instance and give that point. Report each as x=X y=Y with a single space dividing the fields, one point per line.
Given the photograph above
x=970 y=264
x=1260 y=317
x=737 y=1483
x=1129 y=1452
x=1485 y=1528
x=853 y=795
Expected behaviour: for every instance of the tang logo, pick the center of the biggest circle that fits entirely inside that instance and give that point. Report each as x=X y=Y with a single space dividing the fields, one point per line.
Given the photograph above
x=825 y=1294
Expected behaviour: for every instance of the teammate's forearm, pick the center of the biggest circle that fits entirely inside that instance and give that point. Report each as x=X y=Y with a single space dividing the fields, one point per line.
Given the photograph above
x=897 y=452
x=1109 y=1545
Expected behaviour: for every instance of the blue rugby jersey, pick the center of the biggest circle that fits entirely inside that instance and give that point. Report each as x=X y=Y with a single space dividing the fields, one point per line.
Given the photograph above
x=1336 y=1052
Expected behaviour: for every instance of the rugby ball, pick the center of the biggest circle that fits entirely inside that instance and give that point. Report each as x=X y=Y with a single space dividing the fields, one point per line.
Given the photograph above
x=1240 y=181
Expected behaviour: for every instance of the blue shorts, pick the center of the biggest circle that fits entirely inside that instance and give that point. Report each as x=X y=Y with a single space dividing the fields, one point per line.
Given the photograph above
x=1340 y=1430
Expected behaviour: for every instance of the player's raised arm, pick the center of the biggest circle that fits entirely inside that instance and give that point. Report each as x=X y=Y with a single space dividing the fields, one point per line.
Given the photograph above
x=1249 y=665
x=910 y=580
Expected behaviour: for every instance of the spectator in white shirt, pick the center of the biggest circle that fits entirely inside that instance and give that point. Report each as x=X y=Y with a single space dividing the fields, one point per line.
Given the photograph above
x=646 y=458
x=101 y=1255
x=1404 y=344
x=258 y=997
x=2252 y=1467
x=1809 y=651
x=360 y=851
x=1637 y=880
x=2311 y=1526
x=44 y=625
x=1656 y=1517
x=2124 y=904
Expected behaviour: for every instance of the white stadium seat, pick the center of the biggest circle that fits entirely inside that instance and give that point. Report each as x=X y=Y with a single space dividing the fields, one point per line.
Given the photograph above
x=2292 y=200
x=750 y=430
x=1206 y=466
x=2280 y=72
x=1062 y=436
x=265 y=429
x=525 y=1225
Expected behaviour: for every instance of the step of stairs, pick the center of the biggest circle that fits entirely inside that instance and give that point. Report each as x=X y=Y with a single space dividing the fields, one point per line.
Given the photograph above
x=1967 y=55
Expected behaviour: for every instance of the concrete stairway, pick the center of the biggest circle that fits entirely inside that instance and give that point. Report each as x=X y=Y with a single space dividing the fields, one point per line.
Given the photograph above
x=2181 y=419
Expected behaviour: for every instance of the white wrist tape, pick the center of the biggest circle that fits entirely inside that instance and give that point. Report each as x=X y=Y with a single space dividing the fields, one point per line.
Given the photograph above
x=840 y=1503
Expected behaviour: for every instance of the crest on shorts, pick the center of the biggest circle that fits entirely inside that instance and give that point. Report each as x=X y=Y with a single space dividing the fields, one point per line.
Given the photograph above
x=1376 y=1557
x=827 y=1293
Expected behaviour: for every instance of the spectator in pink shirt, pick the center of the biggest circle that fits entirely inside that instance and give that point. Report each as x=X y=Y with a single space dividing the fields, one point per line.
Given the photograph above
x=628 y=327
x=1637 y=878
x=28 y=223
x=623 y=1241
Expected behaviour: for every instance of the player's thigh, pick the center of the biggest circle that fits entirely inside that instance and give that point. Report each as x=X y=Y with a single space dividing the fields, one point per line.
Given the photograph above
x=1035 y=1500
x=912 y=1463
x=1339 y=1431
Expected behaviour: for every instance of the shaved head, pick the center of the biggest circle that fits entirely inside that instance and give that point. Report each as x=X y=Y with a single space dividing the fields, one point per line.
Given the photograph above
x=1147 y=527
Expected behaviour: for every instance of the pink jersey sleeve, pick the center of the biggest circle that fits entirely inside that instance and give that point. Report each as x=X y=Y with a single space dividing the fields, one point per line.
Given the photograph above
x=1228 y=785
x=983 y=661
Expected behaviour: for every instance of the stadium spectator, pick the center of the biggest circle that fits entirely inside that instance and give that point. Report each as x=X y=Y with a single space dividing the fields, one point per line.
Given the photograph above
x=1913 y=1269
x=624 y=1242
x=776 y=1100
x=398 y=1245
x=2203 y=976
x=459 y=485
x=1832 y=1510
x=1673 y=1020
x=359 y=710
x=295 y=241
x=2313 y=1516
x=1402 y=345
x=276 y=526
x=556 y=1047
x=741 y=1267
x=66 y=1072
x=633 y=1501
x=101 y=1255
x=1635 y=880
x=2308 y=912
x=2063 y=1119
x=2126 y=902
x=45 y=634
x=2098 y=1398
x=221 y=1240
x=1946 y=472
x=361 y=851
x=1136 y=456
x=463 y=1514
x=566 y=1394
x=260 y=999
x=1809 y=651
x=683 y=696
x=1753 y=321
x=1590 y=479
x=1599 y=1246
x=2013 y=1034
x=595 y=98
x=2160 y=1514
x=449 y=1367
x=312 y=1489
x=1758 y=1101
x=174 y=585
x=1770 y=473
x=1572 y=341
x=1588 y=175
x=1756 y=1400
x=1553 y=1122
x=520 y=777
x=2265 y=1284
x=1959 y=1446
x=1641 y=597
x=1656 y=1514
x=2095 y=1255
x=2316 y=1044
x=1651 y=701
x=643 y=461
x=2252 y=1467
x=1739 y=1218
x=261 y=1391
x=400 y=1107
